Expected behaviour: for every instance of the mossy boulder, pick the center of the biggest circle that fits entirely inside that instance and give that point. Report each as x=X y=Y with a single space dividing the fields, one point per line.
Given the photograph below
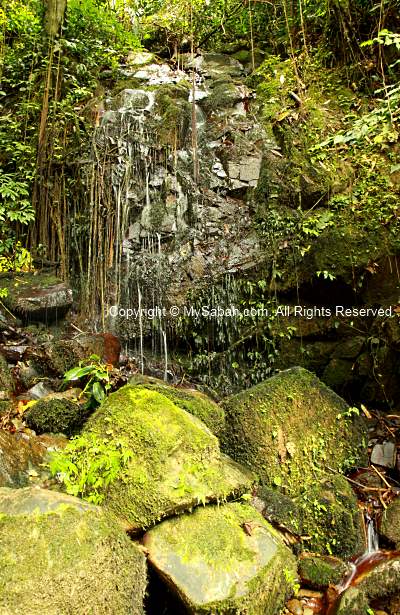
x=195 y=402
x=55 y=415
x=320 y=571
x=289 y=430
x=6 y=379
x=224 y=559
x=37 y=296
x=62 y=555
x=173 y=461
x=390 y=526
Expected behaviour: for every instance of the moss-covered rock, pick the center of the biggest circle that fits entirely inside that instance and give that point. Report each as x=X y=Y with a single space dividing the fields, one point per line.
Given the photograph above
x=195 y=402
x=55 y=416
x=288 y=430
x=37 y=296
x=320 y=571
x=6 y=379
x=173 y=462
x=390 y=526
x=224 y=559
x=62 y=555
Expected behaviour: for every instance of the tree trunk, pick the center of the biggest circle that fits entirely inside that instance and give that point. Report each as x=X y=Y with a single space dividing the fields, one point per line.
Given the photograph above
x=55 y=10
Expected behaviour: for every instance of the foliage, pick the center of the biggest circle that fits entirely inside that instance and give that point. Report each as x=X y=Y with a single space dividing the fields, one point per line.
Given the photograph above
x=98 y=379
x=89 y=464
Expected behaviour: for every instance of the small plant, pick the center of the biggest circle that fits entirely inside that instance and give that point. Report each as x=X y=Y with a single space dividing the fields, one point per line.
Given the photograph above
x=89 y=464
x=98 y=383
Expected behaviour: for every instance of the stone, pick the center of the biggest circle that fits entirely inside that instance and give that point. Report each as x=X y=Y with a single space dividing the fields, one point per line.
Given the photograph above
x=193 y=401
x=62 y=355
x=56 y=415
x=223 y=559
x=390 y=525
x=249 y=169
x=173 y=461
x=38 y=297
x=23 y=458
x=283 y=429
x=383 y=581
x=295 y=607
x=6 y=379
x=133 y=99
x=39 y=390
x=384 y=454
x=61 y=555
x=139 y=58
x=320 y=571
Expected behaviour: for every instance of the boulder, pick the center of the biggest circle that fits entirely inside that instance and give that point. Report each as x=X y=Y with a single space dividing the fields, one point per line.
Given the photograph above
x=390 y=526
x=62 y=355
x=195 y=402
x=23 y=457
x=37 y=296
x=292 y=430
x=169 y=460
x=224 y=559
x=55 y=415
x=320 y=571
x=62 y=555
x=383 y=581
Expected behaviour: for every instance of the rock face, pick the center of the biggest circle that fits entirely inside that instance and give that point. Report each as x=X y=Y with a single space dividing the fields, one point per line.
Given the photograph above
x=173 y=461
x=6 y=380
x=22 y=458
x=41 y=297
x=62 y=555
x=289 y=430
x=223 y=560
x=320 y=571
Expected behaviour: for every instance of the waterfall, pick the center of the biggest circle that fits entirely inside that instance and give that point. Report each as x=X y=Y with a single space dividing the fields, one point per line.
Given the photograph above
x=372 y=535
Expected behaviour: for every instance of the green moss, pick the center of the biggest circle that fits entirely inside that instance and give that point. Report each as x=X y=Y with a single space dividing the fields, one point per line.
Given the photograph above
x=194 y=402
x=319 y=572
x=174 y=461
x=55 y=416
x=288 y=429
x=390 y=527
x=217 y=567
x=58 y=561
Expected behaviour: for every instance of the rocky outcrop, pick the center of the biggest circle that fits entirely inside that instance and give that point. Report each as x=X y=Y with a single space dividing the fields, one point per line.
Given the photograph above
x=171 y=462
x=390 y=525
x=292 y=430
x=60 y=554
x=223 y=559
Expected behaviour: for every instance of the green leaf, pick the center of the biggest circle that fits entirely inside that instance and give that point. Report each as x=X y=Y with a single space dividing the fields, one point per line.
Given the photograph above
x=98 y=392
x=78 y=372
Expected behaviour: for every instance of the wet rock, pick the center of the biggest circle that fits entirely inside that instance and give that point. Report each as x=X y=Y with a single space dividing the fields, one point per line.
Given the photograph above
x=384 y=454
x=60 y=555
x=55 y=415
x=383 y=581
x=320 y=571
x=283 y=430
x=23 y=458
x=390 y=526
x=195 y=402
x=295 y=607
x=139 y=58
x=223 y=559
x=133 y=99
x=174 y=463
x=42 y=297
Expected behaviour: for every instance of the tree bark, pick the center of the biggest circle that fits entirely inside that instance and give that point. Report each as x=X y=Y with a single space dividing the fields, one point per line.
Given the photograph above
x=55 y=10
